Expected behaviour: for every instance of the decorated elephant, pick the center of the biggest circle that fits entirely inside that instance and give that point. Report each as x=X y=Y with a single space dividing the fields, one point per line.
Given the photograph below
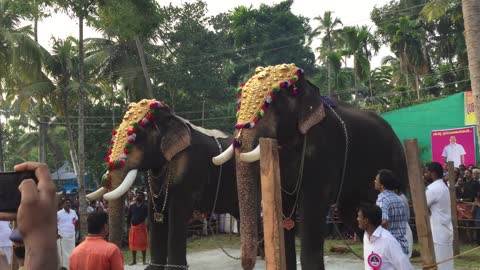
x=329 y=153
x=180 y=176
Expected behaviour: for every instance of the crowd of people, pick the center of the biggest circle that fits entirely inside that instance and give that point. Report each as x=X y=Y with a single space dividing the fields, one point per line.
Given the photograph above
x=387 y=239
x=467 y=191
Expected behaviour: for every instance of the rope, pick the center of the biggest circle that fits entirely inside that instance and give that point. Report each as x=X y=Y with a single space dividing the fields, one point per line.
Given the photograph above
x=454 y=257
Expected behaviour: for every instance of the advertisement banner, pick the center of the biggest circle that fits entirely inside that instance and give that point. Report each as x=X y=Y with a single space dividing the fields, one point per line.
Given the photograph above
x=453 y=143
x=469 y=109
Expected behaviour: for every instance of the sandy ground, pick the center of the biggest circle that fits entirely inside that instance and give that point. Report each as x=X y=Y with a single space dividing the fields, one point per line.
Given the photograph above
x=217 y=260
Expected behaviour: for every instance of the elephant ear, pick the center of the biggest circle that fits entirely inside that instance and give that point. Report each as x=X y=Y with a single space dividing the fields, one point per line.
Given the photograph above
x=312 y=110
x=177 y=139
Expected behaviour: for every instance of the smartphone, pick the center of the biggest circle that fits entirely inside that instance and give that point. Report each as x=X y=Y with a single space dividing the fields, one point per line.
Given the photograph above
x=9 y=194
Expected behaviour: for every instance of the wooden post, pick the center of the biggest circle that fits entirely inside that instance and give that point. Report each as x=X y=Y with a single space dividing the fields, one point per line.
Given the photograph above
x=453 y=202
x=272 y=206
x=422 y=215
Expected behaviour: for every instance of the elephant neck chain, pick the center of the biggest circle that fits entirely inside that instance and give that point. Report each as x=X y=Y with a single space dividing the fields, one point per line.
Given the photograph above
x=300 y=172
x=345 y=132
x=160 y=216
x=288 y=220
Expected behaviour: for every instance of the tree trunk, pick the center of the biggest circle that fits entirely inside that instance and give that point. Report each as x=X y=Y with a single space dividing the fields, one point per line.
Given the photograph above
x=42 y=144
x=81 y=138
x=471 y=17
x=141 y=54
x=328 y=78
x=329 y=69
x=370 y=86
x=355 y=77
x=417 y=81
x=35 y=29
x=43 y=123
x=2 y=161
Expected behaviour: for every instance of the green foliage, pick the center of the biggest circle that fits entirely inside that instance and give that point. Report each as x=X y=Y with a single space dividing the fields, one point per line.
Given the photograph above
x=195 y=62
x=125 y=19
x=32 y=10
x=266 y=36
x=193 y=69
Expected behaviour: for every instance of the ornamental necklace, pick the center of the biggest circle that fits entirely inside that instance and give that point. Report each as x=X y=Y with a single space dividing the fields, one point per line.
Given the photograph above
x=288 y=223
x=159 y=217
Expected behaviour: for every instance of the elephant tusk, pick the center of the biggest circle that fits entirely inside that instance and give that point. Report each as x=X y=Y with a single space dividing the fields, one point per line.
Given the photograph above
x=224 y=156
x=96 y=194
x=251 y=156
x=124 y=186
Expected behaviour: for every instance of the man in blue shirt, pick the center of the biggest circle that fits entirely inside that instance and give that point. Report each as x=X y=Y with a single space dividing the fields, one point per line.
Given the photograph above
x=394 y=211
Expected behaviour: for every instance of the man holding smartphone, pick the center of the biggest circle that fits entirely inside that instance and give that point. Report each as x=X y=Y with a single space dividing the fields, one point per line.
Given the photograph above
x=36 y=217
x=66 y=218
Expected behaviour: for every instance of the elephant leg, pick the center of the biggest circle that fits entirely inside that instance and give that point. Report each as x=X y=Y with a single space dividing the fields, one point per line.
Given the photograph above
x=290 y=253
x=289 y=235
x=314 y=217
x=179 y=210
x=158 y=242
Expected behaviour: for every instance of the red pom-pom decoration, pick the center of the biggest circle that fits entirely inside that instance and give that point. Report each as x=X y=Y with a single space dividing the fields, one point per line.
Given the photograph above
x=149 y=116
x=112 y=142
x=114 y=132
x=107 y=159
x=121 y=163
x=111 y=164
x=295 y=91
x=109 y=151
x=126 y=151
x=154 y=105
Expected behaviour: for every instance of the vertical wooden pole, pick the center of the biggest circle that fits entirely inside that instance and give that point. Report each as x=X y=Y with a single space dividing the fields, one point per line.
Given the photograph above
x=422 y=215
x=453 y=202
x=272 y=205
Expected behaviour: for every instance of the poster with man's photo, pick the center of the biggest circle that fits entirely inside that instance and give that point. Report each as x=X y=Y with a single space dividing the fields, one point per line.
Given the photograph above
x=457 y=145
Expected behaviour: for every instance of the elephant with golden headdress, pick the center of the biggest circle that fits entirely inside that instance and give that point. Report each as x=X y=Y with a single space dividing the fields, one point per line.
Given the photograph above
x=329 y=153
x=177 y=158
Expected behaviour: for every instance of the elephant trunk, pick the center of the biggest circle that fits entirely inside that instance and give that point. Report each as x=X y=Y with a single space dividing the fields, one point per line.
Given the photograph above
x=116 y=214
x=247 y=183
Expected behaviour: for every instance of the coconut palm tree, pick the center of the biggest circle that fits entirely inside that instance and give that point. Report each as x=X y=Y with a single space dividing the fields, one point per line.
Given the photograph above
x=361 y=44
x=117 y=62
x=327 y=27
x=19 y=55
x=407 y=45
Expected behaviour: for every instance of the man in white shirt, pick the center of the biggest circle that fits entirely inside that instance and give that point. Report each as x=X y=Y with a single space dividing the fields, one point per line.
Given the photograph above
x=454 y=152
x=438 y=202
x=66 y=220
x=380 y=249
x=5 y=243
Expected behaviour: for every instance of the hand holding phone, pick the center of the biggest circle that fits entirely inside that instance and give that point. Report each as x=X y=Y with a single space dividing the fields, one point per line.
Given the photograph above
x=37 y=217
x=9 y=193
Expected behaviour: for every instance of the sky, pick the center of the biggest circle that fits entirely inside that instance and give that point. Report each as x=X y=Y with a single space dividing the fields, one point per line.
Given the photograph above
x=351 y=12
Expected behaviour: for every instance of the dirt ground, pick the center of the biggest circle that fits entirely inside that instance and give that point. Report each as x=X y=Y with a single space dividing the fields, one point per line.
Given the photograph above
x=217 y=260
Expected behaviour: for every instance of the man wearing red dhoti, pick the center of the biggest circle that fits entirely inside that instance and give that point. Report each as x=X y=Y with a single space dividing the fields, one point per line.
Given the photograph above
x=138 y=238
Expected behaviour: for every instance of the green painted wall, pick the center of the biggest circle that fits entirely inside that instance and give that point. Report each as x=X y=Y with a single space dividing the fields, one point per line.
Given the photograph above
x=418 y=121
